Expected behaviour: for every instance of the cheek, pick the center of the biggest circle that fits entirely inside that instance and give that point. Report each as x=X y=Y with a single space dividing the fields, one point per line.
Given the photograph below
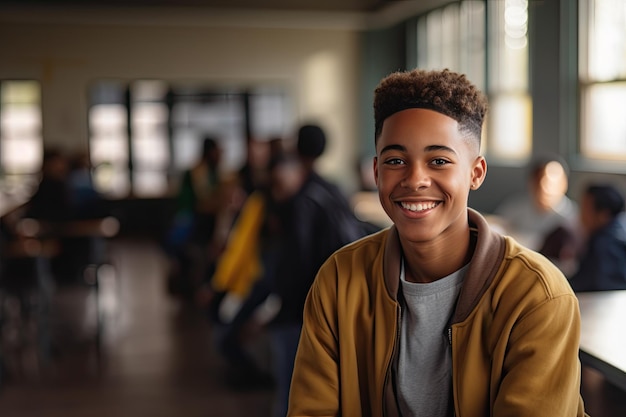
x=457 y=186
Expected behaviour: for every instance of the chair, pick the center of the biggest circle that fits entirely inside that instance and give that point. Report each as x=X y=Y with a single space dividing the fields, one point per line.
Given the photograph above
x=43 y=261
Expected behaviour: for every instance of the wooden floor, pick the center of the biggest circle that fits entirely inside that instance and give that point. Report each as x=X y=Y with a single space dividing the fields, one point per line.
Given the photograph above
x=158 y=358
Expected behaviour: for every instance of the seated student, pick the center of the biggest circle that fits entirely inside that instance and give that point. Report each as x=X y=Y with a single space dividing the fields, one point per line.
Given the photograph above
x=603 y=264
x=199 y=202
x=544 y=207
x=437 y=315
x=544 y=218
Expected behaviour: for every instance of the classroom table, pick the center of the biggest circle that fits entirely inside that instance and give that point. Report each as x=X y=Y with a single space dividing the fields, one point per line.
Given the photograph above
x=603 y=333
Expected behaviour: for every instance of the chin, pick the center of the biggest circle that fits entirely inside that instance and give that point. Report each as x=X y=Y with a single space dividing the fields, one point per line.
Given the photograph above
x=414 y=233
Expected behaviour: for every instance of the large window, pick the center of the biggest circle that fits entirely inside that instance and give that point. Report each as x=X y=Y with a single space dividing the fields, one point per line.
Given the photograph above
x=509 y=131
x=488 y=41
x=454 y=37
x=603 y=79
x=21 y=143
x=108 y=138
x=144 y=134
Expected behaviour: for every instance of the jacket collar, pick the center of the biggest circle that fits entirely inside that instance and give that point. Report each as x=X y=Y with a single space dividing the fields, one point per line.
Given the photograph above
x=487 y=258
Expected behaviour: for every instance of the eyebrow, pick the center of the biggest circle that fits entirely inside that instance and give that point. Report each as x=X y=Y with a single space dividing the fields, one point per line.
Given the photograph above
x=429 y=148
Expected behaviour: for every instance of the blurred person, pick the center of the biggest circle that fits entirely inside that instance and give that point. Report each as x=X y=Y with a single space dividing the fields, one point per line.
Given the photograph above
x=252 y=179
x=246 y=270
x=254 y=172
x=198 y=204
x=544 y=206
x=437 y=315
x=306 y=219
x=61 y=262
x=85 y=200
x=544 y=218
x=51 y=205
x=602 y=265
x=51 y=200
x=320 y=223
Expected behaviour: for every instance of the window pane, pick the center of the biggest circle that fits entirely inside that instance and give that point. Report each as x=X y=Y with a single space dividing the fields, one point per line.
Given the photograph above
x=607 y=39
x=109 y=148
x=149 y=114
x=603 y=79
x=509 y=127
x=217 y=115
x=149 y=143
x=186 y=149
x=454 y=37
x=510 y=112
x=604 y=122
x=20 y=128
x=508 y=43
x=18 y=93
x=108 y=134
x=450 y=39
x=473 y=40
x=111 y=179
x=270 y=114
x=434 y=29
x=149 y=183
x=21 y=155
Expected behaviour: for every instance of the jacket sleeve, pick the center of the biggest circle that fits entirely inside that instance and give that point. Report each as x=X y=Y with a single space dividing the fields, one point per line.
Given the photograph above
x=541 y=370
x=240 y=266
x=315 y=381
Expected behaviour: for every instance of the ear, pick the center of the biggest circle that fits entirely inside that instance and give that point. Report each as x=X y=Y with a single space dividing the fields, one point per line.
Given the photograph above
x=479 y=172
x=375 y=166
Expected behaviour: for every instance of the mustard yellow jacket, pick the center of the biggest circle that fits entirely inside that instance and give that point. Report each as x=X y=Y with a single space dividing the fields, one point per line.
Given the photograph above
x=514 y=333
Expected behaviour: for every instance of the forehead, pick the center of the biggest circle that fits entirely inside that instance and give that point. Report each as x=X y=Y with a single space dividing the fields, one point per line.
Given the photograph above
x=421 y=127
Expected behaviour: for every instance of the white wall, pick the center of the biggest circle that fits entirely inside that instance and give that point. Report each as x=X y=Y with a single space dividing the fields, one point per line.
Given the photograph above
x=318 y=65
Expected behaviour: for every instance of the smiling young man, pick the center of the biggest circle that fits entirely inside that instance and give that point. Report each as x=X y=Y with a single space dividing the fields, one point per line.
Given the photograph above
x=437 y=315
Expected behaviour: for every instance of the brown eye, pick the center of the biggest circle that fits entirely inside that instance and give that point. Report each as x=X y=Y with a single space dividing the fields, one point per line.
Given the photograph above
x=394 y=161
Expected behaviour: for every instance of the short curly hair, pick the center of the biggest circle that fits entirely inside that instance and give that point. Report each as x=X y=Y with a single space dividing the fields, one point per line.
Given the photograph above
x=443 y=91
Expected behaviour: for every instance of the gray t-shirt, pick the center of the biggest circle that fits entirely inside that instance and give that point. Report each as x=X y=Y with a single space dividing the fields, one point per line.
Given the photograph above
x=424 y=366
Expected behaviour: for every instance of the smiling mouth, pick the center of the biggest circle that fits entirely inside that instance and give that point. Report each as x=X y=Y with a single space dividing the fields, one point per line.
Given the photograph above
x=416 y=207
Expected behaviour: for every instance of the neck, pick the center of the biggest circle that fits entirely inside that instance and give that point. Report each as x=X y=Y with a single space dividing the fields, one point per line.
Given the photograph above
x=430 y=262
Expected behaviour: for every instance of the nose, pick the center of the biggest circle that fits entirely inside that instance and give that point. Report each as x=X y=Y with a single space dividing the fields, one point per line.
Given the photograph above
x=416 y=177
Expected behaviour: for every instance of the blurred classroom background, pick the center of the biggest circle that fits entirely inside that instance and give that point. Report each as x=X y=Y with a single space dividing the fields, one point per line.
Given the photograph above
x=135 y=86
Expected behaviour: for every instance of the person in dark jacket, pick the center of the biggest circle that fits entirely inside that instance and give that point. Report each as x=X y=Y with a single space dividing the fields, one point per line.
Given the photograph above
x=321 y=222
x=51 y=199
x=602 y=266
x=307 y=218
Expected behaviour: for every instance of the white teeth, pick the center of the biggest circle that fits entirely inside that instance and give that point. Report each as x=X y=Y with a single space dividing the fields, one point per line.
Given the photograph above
x=418 y=206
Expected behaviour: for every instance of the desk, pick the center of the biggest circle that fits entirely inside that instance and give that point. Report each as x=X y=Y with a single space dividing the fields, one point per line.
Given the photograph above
x=603 y=333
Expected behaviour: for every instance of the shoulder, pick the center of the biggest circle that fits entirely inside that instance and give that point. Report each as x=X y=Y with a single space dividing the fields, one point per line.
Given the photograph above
x=528 y=272
x=352 y=276
x=527 y=287
x=357 y=258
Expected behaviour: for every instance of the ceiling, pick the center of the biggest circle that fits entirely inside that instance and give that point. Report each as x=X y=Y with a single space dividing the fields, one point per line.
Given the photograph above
x=338 y=14
x=286 y=5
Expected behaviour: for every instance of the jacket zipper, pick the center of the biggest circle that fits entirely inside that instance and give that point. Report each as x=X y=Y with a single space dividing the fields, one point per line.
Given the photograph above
x=393 y=355
x=452 y=359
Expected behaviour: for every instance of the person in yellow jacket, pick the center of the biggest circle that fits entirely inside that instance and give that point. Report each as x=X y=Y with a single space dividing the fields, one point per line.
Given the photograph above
x=437 y=315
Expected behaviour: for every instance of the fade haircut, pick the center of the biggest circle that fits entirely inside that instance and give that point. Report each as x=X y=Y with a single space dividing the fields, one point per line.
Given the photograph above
x=444 y=91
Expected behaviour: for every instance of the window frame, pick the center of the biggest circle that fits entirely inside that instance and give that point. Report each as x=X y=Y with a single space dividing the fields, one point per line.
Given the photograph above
x=587 y=83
